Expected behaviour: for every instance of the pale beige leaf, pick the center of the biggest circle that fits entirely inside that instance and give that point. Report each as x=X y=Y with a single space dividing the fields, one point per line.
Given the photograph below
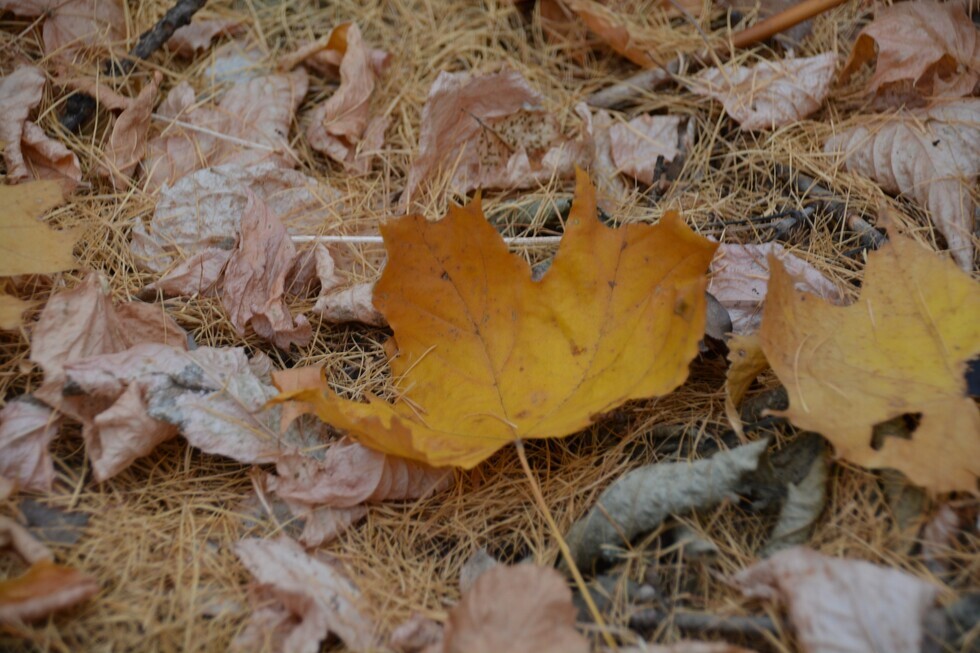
x=197 y=275
x=740 y=278
x=770 y=94
x=48 y=158
x=932 y=156
x=316 y=595
x=418 y=634
x=352 y=304
x=215 y=397
x=342 y=127
x=20 y=92
x=932 y=45
x=843 y=606
x=191 y=39
x=28 y=245
x=11 y=308
x=491 y=131
x=26 y=429
x=254 y=282
x=322 y=524
x=74 y=25
x=521 y=609
x=204 y=210
x=127 y=142
x=636 y=145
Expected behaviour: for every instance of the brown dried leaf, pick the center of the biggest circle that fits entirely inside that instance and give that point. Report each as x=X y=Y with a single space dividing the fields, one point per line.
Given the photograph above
x=843 y=606
x=341 y=127
x=249 y=125
x=770 y=94
x=26 y=429
x=932 y=156
x=127 y=142
x=613 y=29
x=740 y=279
x=932 y=45
x=20 y=91
x=254 y=283
x=311 y=600
x=636 y=145
x=522 y=609
x=491 y=131
x=45 y=588
x=73 y=25
x=191 y=39
x=48 y=158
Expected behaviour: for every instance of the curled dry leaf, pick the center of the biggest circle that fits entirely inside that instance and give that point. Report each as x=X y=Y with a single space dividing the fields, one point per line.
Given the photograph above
x=342 y=127
x=636 y=145
x=843 y=606
x=45 y=587
x=311 y=599
x=740 y=277
x=253 y=286
x=249 y=125
x=134 y=399
x=25 y=145
x=770 y=94
x=203 y=211
x=479 y=342
x=641 y=499
x=127 y=142
x=26 y=429
x=520 y=609
x=191 y=39
x=931 y=45
x=901 y=348
x=491 y=131
x=932 y=156
x=73 y=25
x=344 y=304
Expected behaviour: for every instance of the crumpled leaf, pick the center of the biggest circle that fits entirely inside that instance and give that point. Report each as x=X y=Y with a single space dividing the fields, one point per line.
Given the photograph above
x=311 y=600
x=249 y=125
x=203 y=211
x=73 y=25
x=519 y=609
x=134 y=399
x=931 y=45
x=640 y=499
x=45 y=587
x=254 y=282
x=26 y=429
x=342 y=127
x=740 y=277
x=932 y=156
x=196 y=36
x=843 y=606
x=636 y=145
x=331 y=490
x=902 y=347
x=28 y=246
x=325 y=55
x=491 y=131
x=23 y=141
x=339 y=302
x=770 y=94
x=83 y=322
x=127 y=142
x=801 y=509
x=485 y=355
x=418 y=634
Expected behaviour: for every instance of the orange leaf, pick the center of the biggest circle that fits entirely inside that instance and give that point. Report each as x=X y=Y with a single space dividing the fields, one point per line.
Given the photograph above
x=44 y=588
x=486 y=355
x=901 y=348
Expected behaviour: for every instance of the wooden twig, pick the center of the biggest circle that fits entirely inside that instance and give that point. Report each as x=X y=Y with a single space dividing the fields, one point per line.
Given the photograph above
x=79 y=107
x=647 y=80
x=752 y=627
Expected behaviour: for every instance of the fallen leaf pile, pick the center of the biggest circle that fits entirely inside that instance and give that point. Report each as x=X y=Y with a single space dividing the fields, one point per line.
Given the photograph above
x=234 y=303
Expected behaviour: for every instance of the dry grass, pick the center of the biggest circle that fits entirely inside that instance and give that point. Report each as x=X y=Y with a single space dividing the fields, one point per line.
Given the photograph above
x=160 y=534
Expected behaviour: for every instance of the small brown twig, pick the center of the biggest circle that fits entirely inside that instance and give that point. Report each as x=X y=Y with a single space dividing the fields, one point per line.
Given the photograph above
x=751 y=627
x=80 y=106
x=647 y=80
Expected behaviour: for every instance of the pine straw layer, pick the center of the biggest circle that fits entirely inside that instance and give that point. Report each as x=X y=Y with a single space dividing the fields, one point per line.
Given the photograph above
x=160 y=535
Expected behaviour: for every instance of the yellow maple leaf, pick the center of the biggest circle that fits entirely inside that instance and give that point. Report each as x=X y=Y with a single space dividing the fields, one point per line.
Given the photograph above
x=901 y=348
x=485 y=355
x=27 y=245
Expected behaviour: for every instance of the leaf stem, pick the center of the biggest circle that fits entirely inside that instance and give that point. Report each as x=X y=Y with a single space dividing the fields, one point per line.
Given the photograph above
x=566 y=553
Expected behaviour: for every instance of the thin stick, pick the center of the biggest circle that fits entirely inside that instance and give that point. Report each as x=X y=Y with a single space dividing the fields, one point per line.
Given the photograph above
x=647 y=80
x=516 y=241
x=215 y=134
x=565 y=552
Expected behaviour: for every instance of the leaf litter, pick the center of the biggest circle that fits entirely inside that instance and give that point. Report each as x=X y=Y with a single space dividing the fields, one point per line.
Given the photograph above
x=189 y=499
